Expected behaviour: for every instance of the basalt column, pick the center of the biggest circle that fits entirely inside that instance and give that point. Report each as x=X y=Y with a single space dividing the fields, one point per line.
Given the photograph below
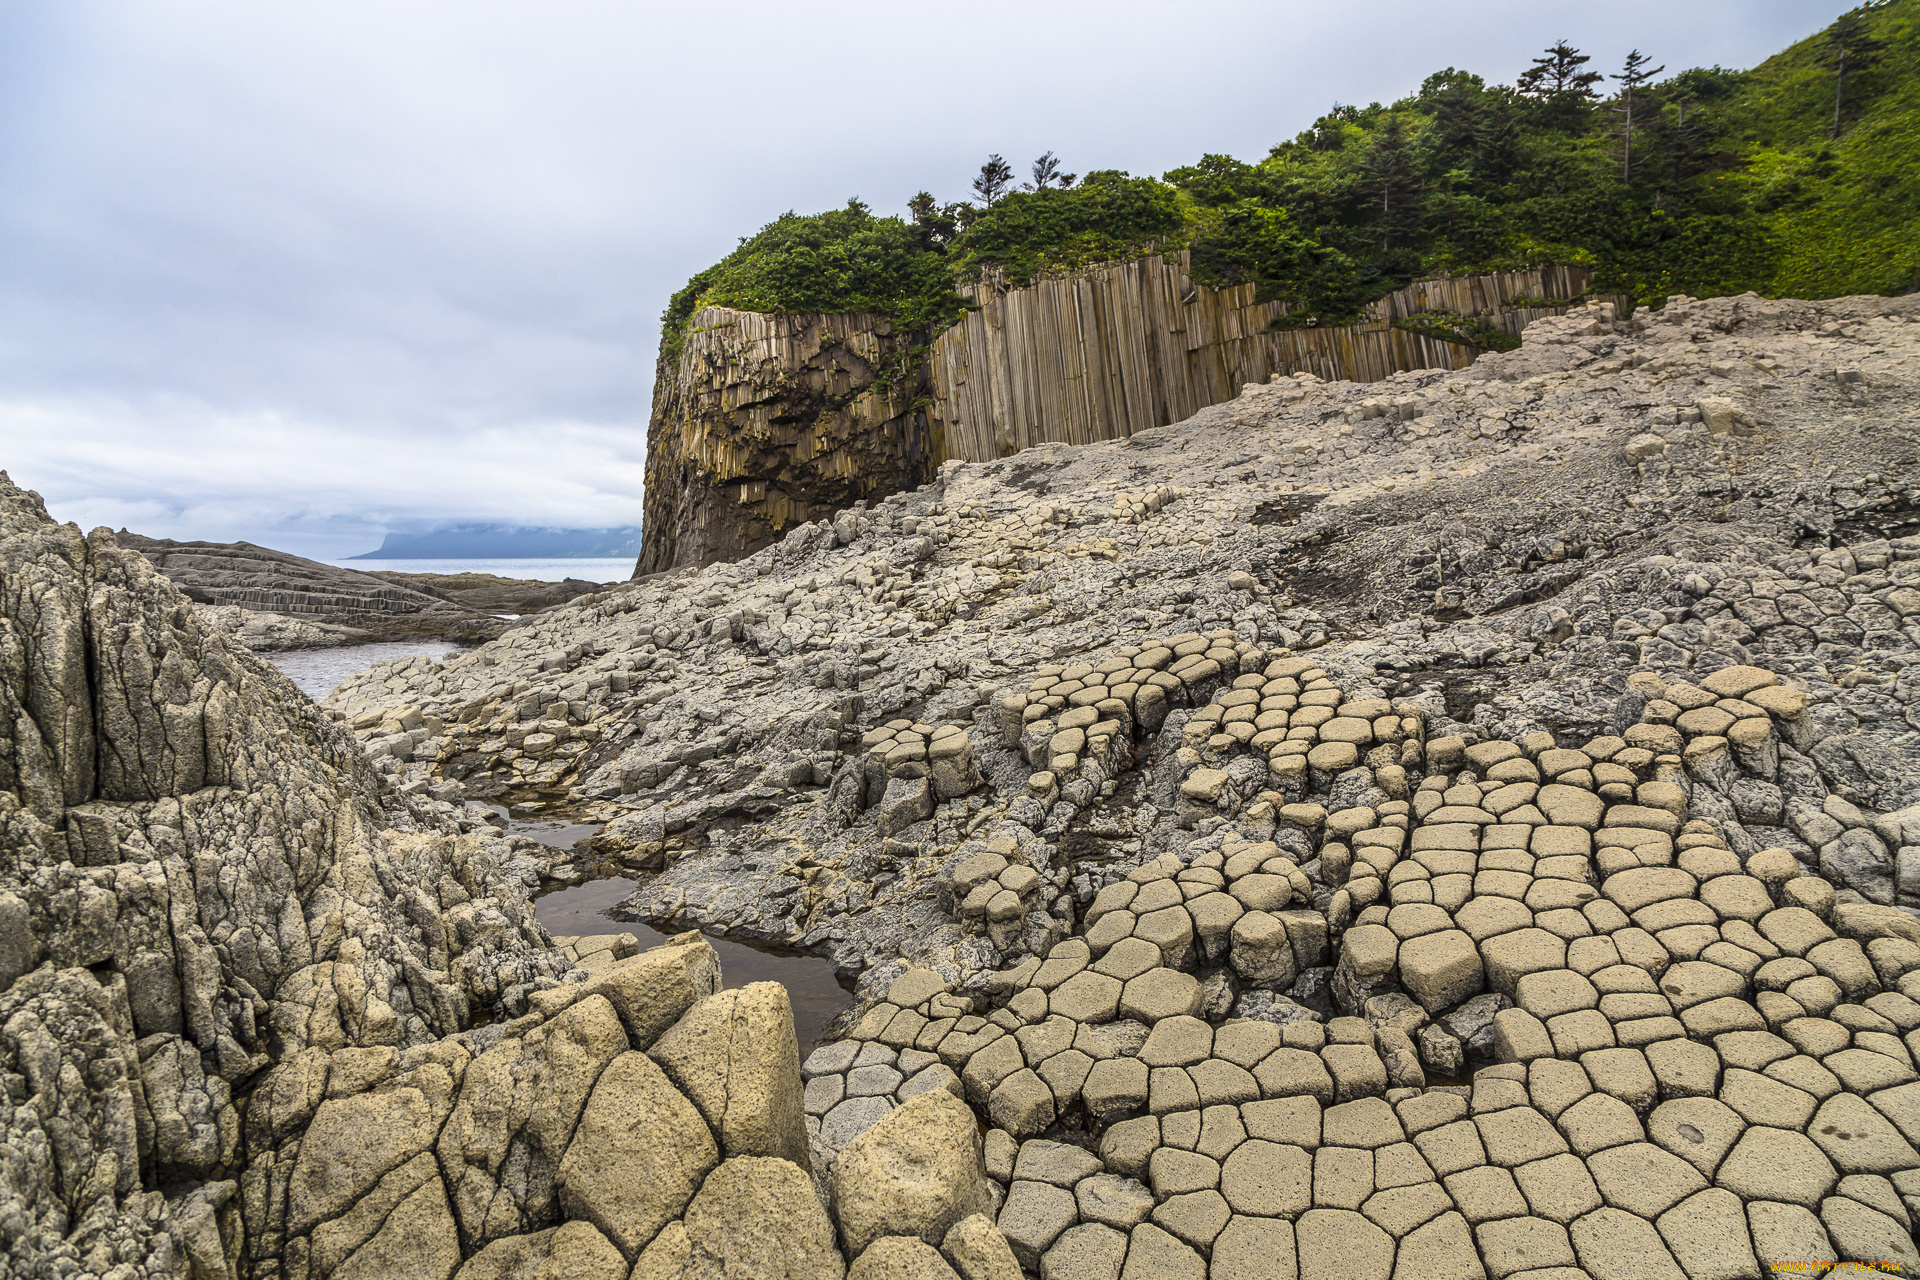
x=761 y=422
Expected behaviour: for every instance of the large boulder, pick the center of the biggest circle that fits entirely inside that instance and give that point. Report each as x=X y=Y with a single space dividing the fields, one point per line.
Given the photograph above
x=901 y=1258
x=520 y=1103
x=653 y=989
x=734 y=1054
x=412 y=1240
x=638 y=1155
x=979 y=1250
x=758 y=1216
x=571 y=1251
x=352 y=1145
x=916 y=1172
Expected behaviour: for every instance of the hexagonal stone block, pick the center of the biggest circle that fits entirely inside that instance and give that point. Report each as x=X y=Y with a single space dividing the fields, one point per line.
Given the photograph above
x=1440 y=969
x=1115 y=1087
x=1113 y=1200
x=1160 y=993
x=1087 y=997
x=1858 y=1139
x=1254 y=1249
x=1339 y=1244
x=1512 y=956
x=1615 y=1245
x=1034 y=1216
x=1643 y=1179
x=1090 y=1251
x=1155 y=1254
x=1177 y=1042
x=1021 y=1104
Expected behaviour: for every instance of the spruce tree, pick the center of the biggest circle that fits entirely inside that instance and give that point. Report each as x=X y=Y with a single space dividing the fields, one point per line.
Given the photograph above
x=992 y=182
x=1631 y=77
x=1557 y=82
x=1046 y=173
x=1849 y=50
x=1395 y=180
x=934 y=225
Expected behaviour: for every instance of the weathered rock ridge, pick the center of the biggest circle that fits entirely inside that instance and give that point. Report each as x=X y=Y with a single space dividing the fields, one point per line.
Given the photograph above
x=1459 y=825
x=276 y=600
x=203 y=878
x=491 y=593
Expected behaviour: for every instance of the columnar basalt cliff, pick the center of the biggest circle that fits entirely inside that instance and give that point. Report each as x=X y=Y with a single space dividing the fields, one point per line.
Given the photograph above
x=761 y=422
x=1103 y=353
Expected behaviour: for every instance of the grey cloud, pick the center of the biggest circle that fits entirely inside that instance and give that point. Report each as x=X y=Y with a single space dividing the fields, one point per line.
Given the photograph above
x=296 y=272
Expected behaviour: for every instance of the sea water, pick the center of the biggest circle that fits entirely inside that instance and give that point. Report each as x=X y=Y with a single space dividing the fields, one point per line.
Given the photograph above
x=813 y=986
x=606 y=570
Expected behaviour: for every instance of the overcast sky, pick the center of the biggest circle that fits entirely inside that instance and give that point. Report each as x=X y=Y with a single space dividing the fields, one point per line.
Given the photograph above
x=300 y=273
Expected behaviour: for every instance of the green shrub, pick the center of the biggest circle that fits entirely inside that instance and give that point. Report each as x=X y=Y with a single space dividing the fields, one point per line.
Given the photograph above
x=843 y=260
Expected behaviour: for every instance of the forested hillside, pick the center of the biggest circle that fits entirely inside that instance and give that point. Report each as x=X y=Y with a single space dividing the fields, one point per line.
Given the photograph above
x=1795 y=178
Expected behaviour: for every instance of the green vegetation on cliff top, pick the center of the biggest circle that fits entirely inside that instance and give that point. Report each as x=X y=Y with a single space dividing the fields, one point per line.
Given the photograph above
x=1724 y=181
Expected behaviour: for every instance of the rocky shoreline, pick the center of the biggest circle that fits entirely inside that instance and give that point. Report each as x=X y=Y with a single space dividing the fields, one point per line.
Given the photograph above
x=491 y=593
x=1462 y=826
x=271 y=600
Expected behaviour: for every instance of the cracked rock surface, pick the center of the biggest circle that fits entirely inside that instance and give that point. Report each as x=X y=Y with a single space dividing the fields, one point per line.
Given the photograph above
x=1464 y=825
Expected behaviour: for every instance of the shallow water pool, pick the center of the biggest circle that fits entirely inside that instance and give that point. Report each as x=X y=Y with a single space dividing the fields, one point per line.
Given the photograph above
x=318 y=671
x=812 y=985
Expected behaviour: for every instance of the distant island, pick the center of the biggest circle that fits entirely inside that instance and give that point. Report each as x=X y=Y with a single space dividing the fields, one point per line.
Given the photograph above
x=506 y=542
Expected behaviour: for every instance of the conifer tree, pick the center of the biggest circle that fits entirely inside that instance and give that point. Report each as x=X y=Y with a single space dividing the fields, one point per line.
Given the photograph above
x=934 y=224
x=1394 y=178
x=1046 y=173
x=992 y=182
x=1631 y=77
x=1558 y=83
x=1849 y=50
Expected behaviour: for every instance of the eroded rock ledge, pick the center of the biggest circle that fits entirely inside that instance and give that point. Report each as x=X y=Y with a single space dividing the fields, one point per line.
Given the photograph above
x=275 y=600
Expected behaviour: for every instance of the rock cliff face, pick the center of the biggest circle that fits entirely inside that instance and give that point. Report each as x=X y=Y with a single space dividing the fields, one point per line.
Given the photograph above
x=1104 y=353
x=763 y=422
x=1462 y=825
